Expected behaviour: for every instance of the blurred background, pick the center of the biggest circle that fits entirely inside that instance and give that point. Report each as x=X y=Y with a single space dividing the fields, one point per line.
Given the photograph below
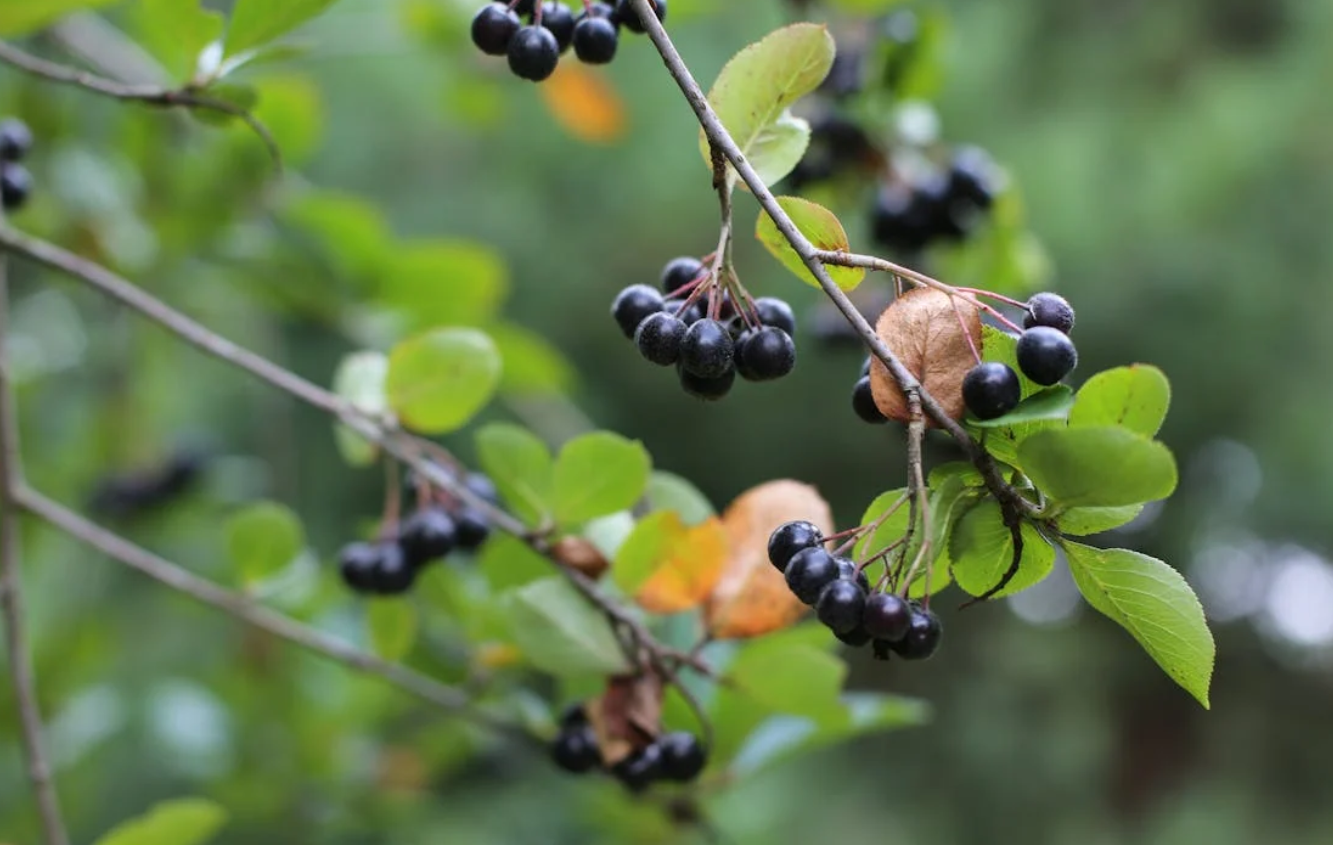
x=1171 y=172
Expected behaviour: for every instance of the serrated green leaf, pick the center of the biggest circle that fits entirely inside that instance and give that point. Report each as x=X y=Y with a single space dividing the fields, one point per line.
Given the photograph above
x=640 y=554
x=1155 y=604
x=1079 y=522
x=559 y=632
x=256 y=22
x=521 y=467
x=821 y=228
x=1053 y=403
x=1101 y=467
x=262 y=539
x=1134 y=397
x=444 y=282
x=20 y=17
x=668 y=491
x=360 y=380
x=438 y=380
x=755 y=88
x=982 y=550
x=183 y=821
x=597 y=474
x=392 y=623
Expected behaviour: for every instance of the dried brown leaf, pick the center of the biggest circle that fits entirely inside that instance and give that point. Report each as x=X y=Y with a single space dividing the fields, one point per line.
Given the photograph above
x=923 y=329
x=580 y=554
x=627 y=716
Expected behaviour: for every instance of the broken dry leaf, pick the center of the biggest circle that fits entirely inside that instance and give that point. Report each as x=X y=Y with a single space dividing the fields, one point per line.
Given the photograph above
x=627 y=716
x=924 y=328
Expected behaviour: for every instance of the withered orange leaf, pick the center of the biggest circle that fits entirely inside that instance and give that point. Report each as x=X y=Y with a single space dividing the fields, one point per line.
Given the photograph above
x=584 y=103
x=752 y=598
x=688 y=570
x=924 y=330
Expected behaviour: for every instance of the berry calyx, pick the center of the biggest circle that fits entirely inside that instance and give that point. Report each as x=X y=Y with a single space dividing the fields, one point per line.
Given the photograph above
x=560 y=21
x=683 y=756
x=707 y=350
x=809 y=572
x=886 y=617
x=15 y=185
x=991 y=390
x=640 y=768
x=358 y=563
x=427 y=535
x=701 y=387
x=776 y=313
x=632 y=305
x=493 y=28
x=922 y=638
x=595 y=42
x=629 y=16
x=790 y=538
x=575 y=750
x=1049 y=309
x=840 y=606
x=533 y=53
x=395 y=574
x=658 y=338
x=15 y=139
x=766 y=354
x=863 y=402
x=1046 y=355
x=679 y=272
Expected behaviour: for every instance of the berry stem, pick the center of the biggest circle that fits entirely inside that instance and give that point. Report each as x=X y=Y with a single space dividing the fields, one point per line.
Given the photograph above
x=916 y=486
x=962 y=324
x=977 y=292
x=393 y=499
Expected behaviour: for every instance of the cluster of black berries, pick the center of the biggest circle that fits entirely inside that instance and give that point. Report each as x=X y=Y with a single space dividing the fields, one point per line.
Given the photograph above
x=941 y=206
x=1045 y=355
x=143 y=490
x=534 y=50
x=837 y=145
x=677 y=756
x=709 y=336
x=844 y=600
x=15 y=181
x=389 y=566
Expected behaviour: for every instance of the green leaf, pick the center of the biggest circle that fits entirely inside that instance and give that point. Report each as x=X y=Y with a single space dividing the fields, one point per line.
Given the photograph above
x=890 y=529
x=982 y=550
x=1103 y=467
x=531 y=364
x=175 y=32
x=20 y=17
x=641 y=553
x=507 y=562
x=561 y=633
x=821 y=227
x=963 y=470
x=1151 y=601
x=240 y=96
x=597 y=474
x=1002 y=442
x=350 y=232
x=393 y=627
x=444 y=282
x=1053 y=403
x=262 y=539
x=948 y=501
x=668 y=491
x=1134 y=397
x=1079 y=522
x=291 y=109
x=256 y=22
x=438 y=380
x=754 y=90
x=360 y=380
x=521 y=467
x=182 y=821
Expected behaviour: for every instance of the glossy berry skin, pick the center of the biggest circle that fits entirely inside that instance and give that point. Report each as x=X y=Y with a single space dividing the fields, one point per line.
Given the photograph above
x=765 y=354
x=856 y=638
x=809 y=572
x=357 y=563
x=991 y=390
x=1049 y=309
x=863 y=402
x=690 y=315
x=886 y=617
x=15 y=185
x=595 y=42
x=922 y=638
x=790 y=538
x=493 y=28
x=427 y=535
x=710 y=389
x=776 y=313
x=575 y=750
x=1046 y=355
x=707 y=350
x=683 y=756
x=629 y=16
x=533 y=53
x=840 y=606
x=849 y=571
x=679 y=272
x=632 y=305
x=471 y=528
x=395 y=574
x=658 y=338
x=15 y=139
x=560 y=21
x=640 y=768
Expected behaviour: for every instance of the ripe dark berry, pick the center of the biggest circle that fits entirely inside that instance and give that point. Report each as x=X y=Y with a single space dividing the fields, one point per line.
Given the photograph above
x=706 y=350
x=640 y=768
x=493 y=28
x=632 y=305
x=575 y=750
x=840 y=606
x=688 y=316
x=849 y=571
x=863 y=402
x=427 y=535
x=679 y=272
x=533 y=53
x=15 y=185
x=595 y=42
x=574 y=716
x=629 y=16
x=471 y=528
x=480 y=485
x=809 y=572
x=973 y=177
x=776 y=313
x=560 y=21
x=991 y=390
x=922 y=638
x=886 y=617
x=855 y=638
x=15 y=139
x=683 y=756
x=357 y=563
x=706 y=388
x=395 y=574
x=765 y=354
x=658 y=338
x=1049 y=309
x=790 y=538
x=899 y=220
x=1046 y=355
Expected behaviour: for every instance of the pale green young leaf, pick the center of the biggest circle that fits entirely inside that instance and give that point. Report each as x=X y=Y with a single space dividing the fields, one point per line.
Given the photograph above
x=262 y=539
x=182 y=821
x=821 y=228
x=1053 y=403
x=359 y=379
x=393 y=624
x=559 y=632
x=668 y=491
x=597 y=474
x=521 y=467
x=1080 y=522
x=1134 y=397
x=644 y=548
x=256 y=22
x=439 y=380
x=20 y=17
x=1101 y=467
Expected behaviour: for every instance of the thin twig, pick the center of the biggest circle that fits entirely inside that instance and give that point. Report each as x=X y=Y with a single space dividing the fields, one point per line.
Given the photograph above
x=916 y=488
x=21 y=671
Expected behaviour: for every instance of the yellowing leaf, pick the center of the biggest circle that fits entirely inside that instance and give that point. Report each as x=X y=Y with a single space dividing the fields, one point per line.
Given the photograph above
x=688 y=570
x=926 y=332
x=821 y=227
x=584 y=103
